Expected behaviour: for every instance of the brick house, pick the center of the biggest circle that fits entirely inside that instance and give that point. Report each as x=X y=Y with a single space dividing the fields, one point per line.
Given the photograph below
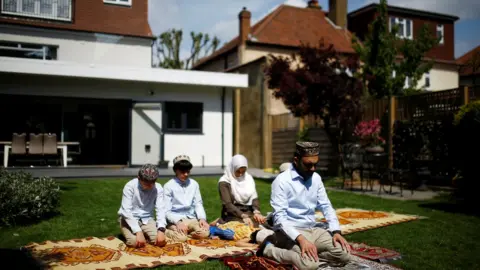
x=470 y=68
x=280 y=33
x=83 y=70
x=444 y=74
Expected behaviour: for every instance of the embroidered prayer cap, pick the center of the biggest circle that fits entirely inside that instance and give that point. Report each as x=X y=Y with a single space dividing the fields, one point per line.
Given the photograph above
x=307 y=149
x=180 y=158
x=148 y=172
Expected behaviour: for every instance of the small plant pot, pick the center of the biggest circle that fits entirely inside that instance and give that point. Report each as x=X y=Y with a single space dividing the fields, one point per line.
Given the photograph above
x=375 y=149
x=163 y=164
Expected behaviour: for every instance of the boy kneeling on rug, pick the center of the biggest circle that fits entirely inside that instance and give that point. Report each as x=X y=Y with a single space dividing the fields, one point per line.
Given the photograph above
x=184 y=206
x=140 y=196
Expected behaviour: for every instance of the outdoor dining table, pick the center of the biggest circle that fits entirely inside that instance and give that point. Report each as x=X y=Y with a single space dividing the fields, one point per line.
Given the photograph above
x=63 y=146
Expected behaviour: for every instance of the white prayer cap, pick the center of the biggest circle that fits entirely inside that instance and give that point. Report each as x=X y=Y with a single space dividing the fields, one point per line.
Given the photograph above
x=262 y=234
x=284 y=166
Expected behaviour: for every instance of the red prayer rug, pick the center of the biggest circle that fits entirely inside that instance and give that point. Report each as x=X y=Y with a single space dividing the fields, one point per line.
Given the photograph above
x=261 y=263
x=377 y=254
x=254 y=263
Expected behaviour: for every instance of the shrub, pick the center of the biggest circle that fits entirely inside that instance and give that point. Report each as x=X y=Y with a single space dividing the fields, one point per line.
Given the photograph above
x=467 y=147
x=26 y=199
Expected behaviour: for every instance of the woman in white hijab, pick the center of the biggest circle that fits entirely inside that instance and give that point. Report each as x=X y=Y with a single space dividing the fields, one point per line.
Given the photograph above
x=238 y=194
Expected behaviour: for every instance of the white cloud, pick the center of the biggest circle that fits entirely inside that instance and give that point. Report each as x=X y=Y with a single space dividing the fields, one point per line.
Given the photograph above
x=465 y=9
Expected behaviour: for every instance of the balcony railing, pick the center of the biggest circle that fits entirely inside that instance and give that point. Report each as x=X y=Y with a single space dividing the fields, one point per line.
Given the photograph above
x=45 y=9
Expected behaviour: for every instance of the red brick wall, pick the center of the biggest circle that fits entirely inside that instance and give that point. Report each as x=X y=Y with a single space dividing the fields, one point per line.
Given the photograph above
x=359 y=26
x=96 y=16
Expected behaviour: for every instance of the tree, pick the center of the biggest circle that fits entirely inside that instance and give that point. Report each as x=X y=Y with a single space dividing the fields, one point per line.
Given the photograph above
x=383 y=72
x=168 y=45
x=321 y=84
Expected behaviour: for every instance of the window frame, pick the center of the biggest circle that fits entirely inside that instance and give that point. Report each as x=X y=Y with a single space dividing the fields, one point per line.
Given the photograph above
x=25 y=46
x=402 y=32
x=37 y=8
x=184 y=117
x=427 y=80
x=441 y=28
x=118 y=2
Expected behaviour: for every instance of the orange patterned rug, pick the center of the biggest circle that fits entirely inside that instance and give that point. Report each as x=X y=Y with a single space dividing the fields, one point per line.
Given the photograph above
x=112 y=253
x=355 y=220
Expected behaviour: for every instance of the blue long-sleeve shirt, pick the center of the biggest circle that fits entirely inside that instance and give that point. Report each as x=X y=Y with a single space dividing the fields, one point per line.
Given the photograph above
x=138 y=205
x=294 y=201
x=183 y=200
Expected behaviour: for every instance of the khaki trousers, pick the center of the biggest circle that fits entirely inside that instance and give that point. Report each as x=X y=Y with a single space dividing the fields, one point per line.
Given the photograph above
x=326 y=251
x=149 y=229
x=194 y=231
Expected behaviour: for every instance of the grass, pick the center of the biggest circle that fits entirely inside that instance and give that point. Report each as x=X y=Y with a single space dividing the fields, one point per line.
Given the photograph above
x=447 y=239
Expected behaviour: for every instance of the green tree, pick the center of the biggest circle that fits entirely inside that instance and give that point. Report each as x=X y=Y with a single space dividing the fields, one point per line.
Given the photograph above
x=383 y=53
x=168 y=45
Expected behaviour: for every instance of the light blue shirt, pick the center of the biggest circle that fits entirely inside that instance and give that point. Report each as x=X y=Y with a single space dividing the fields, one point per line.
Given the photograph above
x=183 y=200
x=294 y=201
x=138 y=204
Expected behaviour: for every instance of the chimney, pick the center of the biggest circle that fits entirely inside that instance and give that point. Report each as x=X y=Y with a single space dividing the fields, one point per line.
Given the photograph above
x=314 y=4
x=244 y=22
x=337 y=12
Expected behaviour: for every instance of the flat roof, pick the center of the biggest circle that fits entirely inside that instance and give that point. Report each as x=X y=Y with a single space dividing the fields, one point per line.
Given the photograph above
x=123 y=73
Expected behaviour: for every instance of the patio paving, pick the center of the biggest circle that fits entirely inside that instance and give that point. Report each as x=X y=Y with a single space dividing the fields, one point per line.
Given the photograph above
x=119 y=171
x=98 y=172
x=418 y=195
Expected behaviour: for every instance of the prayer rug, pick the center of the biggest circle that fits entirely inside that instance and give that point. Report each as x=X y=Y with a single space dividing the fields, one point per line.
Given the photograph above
x=241 y=230
x=112 y=253
x=261 y=263
x=356 y=220
x=377 y=254
x=254 y=263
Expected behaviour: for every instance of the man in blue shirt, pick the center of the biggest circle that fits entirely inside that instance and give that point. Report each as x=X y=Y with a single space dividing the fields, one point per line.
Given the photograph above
x=296 y=194
x=140 y=196
x=183 y=204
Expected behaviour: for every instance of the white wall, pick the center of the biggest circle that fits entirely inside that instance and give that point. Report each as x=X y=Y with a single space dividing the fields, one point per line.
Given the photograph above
x=207 y=144
x=88 y=48
x=442 y=77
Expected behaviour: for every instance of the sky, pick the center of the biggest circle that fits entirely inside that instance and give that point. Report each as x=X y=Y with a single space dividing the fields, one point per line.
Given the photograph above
x=220 y=17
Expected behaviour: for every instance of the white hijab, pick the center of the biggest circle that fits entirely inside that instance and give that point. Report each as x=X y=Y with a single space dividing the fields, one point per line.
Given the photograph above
x=243 y=188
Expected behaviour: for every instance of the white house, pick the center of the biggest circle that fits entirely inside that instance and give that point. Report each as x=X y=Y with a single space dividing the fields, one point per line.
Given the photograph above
x=67 y=68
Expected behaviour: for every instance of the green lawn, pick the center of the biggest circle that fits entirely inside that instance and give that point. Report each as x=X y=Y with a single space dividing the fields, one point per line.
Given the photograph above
x=447 y=239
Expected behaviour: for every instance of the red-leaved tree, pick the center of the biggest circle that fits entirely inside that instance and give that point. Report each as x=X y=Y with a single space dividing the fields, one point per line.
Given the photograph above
x=322 y=84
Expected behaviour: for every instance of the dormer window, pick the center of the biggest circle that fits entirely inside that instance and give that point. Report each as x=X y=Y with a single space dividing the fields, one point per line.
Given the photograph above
x=405 y=27
x=440 y=33
x=119 y=2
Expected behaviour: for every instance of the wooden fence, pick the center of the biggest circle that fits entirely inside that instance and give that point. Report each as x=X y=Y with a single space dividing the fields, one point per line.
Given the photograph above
x=423 y=106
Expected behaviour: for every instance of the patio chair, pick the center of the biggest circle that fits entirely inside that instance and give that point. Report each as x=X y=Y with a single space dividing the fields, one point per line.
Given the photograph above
x=35 y=147
x=19 y=145
x=351 y=160
x=50 y=146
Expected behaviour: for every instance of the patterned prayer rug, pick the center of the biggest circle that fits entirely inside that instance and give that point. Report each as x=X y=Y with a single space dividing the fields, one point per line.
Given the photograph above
x=260 y=263
x=112 y=253
x=254 y=263
x=377 y=254
x=356 y=220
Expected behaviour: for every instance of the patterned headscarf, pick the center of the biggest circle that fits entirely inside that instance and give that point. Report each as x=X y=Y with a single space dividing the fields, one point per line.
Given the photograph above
x=148 y=172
